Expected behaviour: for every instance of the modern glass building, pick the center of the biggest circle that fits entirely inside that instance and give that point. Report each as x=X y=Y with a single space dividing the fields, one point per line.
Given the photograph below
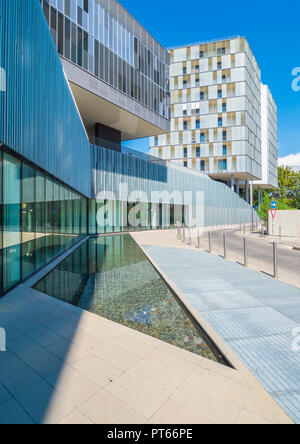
x=115 y=55
x=57 y=183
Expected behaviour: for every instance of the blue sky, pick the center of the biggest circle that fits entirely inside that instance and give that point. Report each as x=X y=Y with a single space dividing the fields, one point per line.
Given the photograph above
x=271 y=28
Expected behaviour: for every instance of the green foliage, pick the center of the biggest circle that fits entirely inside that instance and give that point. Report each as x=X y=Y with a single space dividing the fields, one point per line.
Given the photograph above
x=288 y=187
x=282 y=204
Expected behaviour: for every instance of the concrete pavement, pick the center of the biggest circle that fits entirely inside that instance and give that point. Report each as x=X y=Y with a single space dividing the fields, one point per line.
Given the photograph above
x=255 y=315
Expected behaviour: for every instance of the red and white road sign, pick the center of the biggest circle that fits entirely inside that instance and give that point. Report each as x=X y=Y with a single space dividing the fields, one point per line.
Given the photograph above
x=273 y=212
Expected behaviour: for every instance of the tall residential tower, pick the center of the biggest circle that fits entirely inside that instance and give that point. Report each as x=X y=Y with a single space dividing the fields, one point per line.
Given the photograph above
x=216 y=113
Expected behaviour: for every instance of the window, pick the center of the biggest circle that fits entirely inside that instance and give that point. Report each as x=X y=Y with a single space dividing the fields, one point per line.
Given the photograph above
x=184 y=112
x=224 y=135
x=197 y=124
x=184 y=84
x=219 y=65
x=156 y=141
x=185 y=125
x=224 y=78
x=197 y=82
x=202 y=95
x=224 y=150
x=219 y=93
x=184 y=71
x=185 y=153
x=197 y=111
x=202 y=137
x=202 y=165
x=220 y=122
x=197 y=68
x=201 y=55
x=185 y=164
x=224 y=107
x=198 y=151
x=222 y=165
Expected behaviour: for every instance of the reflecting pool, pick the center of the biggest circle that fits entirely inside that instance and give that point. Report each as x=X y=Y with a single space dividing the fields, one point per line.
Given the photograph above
x=111 y=277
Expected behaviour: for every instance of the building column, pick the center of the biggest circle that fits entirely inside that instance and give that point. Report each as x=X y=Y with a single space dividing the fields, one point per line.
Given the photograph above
x=247 y=190
x=259 y=196
x=232 y=183
x=251 y=193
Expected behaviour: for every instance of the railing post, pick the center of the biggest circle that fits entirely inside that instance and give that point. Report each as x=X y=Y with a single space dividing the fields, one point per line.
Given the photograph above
x=198 y=240
x=190 y=239
x=275 y=260
x=280 y=232
x=225 y=245
x=183 y=233
x=245 y=252
x=244 y=228
x=209 y=242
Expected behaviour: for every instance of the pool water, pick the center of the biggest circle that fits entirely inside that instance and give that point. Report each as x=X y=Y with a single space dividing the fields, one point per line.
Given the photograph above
x=111 y=277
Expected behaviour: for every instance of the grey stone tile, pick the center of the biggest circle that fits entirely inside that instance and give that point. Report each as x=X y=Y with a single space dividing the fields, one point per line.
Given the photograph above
x=15 y=375
x=4 y=395
x=11 y=414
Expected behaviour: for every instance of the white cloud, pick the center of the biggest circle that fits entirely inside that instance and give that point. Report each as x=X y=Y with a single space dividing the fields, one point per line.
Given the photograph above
x=290 y=160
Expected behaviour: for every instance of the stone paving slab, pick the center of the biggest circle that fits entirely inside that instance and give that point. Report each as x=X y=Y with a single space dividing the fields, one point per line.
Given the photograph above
x=252 y=312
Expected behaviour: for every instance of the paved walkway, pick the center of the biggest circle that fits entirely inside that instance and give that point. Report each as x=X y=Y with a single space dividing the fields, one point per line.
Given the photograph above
x=66 y=365
x=254 y=314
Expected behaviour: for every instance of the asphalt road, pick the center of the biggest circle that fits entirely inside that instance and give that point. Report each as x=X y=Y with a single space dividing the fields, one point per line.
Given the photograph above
x=260 y=254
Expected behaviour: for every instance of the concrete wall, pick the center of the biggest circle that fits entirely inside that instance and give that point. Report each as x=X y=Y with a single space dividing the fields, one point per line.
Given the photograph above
x=288 y=220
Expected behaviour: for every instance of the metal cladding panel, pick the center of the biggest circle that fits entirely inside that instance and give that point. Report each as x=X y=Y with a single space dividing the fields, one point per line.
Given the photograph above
x=219 y=204
x=38 y=116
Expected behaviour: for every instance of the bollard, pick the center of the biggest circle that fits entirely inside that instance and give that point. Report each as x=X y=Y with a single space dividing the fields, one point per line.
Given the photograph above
x=245 y=252
x=244 y=229
x=209 y=242
x=183 y=239
x=198 y=239
x=275 y=261
x=225 y=245
x=190 y=239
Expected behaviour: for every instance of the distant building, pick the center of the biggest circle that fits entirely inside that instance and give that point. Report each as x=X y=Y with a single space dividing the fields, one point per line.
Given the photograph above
x=217 y=113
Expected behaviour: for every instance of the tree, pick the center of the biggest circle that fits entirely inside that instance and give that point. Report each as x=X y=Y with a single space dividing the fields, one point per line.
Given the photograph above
x=288 y=187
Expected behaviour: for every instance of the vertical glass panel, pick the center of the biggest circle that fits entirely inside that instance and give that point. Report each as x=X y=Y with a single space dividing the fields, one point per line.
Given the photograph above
x=83 y=216
x=60 y=34
x=92 y=216
x=79 y=47
x=11 y=221
x=100 y=216
x=117 y=224
x=69 y=213
x=63 y=210
x=53 y=24
x=67 y=39
x=73 y=44
x=40 y=220
x=56 y=208
x=76 y=201
x=49 y=206
x=28 y=220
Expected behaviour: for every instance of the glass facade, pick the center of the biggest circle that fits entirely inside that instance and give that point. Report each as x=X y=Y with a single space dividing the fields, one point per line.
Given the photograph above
x=40 y=218
x=86 y=34
x=119 y=216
